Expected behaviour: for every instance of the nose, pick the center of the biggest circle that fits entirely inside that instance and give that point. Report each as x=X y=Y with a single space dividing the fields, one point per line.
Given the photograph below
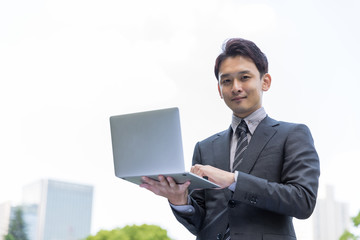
x=237 y=86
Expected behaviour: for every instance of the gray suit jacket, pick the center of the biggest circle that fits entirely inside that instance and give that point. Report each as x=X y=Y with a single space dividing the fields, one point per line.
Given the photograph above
x=277 y=180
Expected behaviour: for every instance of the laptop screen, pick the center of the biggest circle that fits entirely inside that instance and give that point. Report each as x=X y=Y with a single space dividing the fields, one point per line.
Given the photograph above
x=147 y=143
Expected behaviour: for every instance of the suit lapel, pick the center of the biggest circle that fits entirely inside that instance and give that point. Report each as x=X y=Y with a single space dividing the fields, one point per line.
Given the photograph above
x=263 y=133
x=221 y=148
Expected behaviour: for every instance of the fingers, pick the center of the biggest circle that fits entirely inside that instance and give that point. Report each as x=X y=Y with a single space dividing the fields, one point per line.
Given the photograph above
x=200 y=170
x=163 y=181
x=171 y=182
x=215 y=175
x=177 y=194
x=196 y=169
x=184 y=186
x=155 y=186
x=164 y=185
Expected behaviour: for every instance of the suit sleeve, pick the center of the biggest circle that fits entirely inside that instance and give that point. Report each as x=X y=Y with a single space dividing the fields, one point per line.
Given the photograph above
x=193 y=220
x=294 y=191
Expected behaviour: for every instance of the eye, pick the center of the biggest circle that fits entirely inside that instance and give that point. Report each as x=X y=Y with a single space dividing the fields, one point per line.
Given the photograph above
x=226 y=81
x=245 y=77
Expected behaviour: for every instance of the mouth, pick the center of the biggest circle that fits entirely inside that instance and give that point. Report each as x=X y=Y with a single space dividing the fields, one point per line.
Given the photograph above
x=238 y=98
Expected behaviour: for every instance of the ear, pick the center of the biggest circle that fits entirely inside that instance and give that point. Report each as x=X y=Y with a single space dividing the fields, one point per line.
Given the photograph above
x=219 y=89
x=266 y=83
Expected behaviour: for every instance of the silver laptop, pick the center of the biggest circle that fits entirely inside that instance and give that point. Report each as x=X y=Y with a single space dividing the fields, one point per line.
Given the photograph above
x=150 y=144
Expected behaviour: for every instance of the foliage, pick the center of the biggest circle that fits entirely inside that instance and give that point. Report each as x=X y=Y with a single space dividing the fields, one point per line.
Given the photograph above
x=9 y=237
x=348 y=235
x=356 y=220
x=17 y=226
x=134 y=232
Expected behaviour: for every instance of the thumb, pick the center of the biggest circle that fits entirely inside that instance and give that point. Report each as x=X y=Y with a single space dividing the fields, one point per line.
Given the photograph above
x=185 y=185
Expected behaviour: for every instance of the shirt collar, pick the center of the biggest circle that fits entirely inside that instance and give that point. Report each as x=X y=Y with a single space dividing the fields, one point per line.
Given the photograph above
x=252 y=120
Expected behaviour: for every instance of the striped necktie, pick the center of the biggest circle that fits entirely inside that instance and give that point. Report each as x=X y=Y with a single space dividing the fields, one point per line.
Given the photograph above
x=242 y=144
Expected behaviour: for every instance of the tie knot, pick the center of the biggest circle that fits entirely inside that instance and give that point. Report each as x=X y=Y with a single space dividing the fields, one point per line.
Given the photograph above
x=242 y=127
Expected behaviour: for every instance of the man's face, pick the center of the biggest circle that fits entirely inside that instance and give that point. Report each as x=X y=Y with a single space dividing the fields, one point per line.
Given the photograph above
x=240 y=85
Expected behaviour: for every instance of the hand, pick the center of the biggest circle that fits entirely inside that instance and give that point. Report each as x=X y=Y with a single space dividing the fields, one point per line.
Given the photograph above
x=215 y=175
x=177 y=194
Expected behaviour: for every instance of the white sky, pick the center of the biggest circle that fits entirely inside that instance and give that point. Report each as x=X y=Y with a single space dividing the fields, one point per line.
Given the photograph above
x=67 y=65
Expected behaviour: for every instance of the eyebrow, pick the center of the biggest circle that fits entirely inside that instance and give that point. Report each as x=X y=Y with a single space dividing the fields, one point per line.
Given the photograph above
x=237 y=73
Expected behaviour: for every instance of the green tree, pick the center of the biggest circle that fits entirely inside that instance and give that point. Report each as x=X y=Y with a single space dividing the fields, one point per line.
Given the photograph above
x=347 y=235
x=134 y=232
x=17 y=226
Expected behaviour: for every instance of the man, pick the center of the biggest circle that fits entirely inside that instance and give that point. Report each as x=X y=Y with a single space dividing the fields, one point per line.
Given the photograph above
x=268 y=170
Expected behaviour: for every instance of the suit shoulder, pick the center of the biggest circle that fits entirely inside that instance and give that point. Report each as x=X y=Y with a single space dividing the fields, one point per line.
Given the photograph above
x=294 y=126
x=286 y=125
x=215 y=136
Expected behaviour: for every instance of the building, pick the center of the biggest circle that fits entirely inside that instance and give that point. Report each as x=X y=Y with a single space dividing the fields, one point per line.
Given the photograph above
x=330 y=217
x=53 y=210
